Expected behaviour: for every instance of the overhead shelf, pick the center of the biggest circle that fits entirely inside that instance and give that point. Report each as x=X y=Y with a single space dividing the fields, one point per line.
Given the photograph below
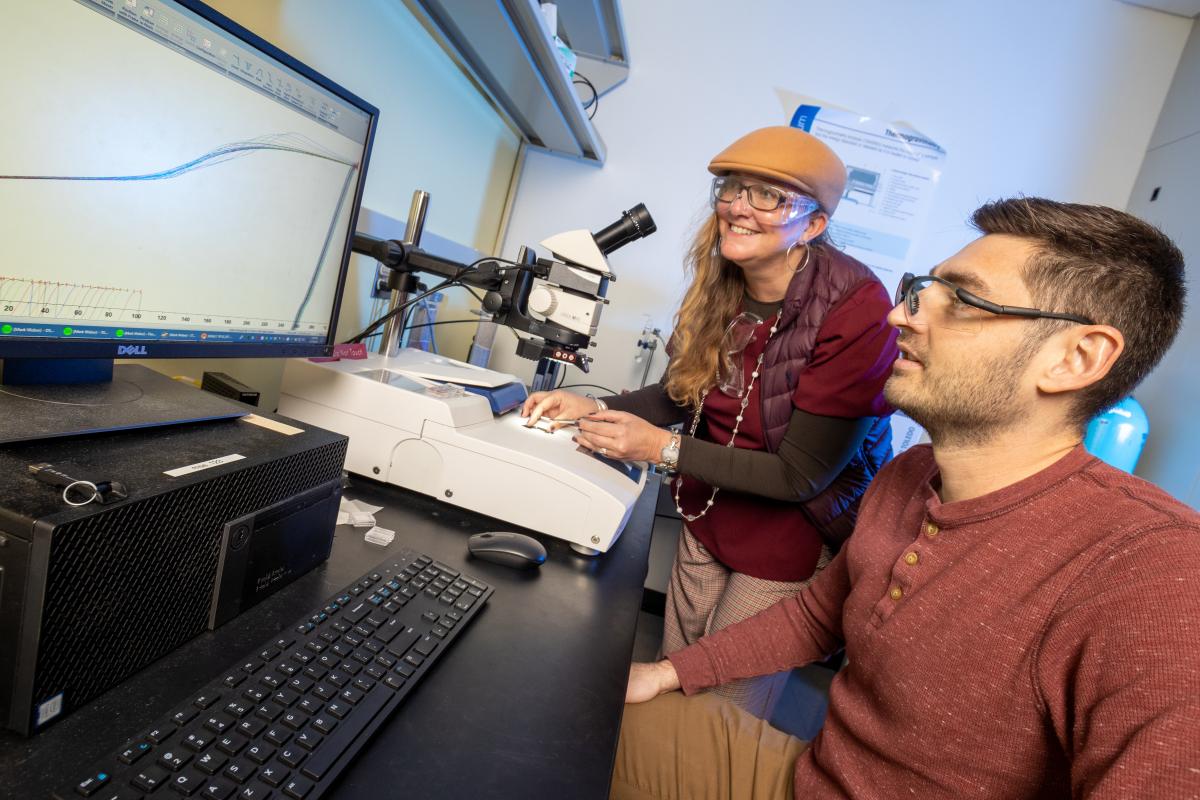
x=507 y=49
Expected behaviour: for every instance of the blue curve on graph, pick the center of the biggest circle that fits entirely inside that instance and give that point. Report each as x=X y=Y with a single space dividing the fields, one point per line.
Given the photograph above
x=286 y=143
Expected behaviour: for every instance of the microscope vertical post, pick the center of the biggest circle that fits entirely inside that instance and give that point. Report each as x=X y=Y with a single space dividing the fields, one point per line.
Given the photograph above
x=393 y=332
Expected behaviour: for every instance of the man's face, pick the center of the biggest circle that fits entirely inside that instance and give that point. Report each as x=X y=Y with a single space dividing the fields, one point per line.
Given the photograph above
x=963 y=373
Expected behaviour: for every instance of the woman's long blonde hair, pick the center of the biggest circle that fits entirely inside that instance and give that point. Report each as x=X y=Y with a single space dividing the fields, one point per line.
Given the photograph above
x=710 y=304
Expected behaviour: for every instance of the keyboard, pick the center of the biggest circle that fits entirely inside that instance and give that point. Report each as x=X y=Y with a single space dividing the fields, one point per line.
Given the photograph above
x=286 y=719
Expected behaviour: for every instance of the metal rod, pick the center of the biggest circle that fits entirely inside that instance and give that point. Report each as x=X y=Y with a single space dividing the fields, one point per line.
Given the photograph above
x=393 y=332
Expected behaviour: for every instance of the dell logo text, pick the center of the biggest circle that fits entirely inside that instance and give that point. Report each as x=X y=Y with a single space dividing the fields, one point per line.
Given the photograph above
x=131 y=350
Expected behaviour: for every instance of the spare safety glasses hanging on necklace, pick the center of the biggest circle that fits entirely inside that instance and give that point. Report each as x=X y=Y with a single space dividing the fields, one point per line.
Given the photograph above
x=731 y=372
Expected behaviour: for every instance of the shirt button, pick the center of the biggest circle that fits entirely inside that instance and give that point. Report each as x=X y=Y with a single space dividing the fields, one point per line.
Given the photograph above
x=931 y=530
x=896 y=593
x=911 y=558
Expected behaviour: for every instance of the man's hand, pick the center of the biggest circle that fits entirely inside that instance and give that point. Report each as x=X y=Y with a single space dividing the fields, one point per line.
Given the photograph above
x=623 y=436
x=648 y=681
x=556 y=405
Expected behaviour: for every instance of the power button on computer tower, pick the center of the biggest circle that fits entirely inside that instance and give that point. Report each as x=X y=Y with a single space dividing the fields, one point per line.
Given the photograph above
x=241 y=535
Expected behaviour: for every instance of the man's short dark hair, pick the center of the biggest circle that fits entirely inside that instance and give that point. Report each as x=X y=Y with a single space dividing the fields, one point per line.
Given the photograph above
x=1102 y=264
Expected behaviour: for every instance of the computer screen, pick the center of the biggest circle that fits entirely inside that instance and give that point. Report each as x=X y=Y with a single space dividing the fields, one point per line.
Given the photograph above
x=170 y=185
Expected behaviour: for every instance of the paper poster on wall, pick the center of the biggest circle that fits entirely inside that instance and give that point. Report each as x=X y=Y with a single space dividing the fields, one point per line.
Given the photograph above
x=892 y=172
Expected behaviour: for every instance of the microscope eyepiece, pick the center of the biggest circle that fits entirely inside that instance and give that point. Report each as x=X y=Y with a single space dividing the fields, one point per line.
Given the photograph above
x=633 y=224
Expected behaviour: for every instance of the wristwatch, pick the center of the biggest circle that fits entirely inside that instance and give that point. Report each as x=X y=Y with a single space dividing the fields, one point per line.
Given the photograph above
x=668 y=457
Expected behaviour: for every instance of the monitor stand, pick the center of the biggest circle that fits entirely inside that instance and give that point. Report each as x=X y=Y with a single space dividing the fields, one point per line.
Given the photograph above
x=136 y=397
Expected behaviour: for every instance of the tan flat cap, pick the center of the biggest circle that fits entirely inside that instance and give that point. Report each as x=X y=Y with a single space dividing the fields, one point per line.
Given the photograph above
x=790 y=156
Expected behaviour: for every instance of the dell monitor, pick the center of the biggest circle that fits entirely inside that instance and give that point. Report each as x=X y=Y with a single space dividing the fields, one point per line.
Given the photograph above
x=170 y=186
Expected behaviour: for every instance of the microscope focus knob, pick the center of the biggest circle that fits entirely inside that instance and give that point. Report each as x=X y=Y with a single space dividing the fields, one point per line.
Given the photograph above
x=542 y=300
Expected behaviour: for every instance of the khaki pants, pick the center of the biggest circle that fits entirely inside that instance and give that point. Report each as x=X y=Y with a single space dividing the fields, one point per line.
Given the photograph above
x=704 y=596
x=700 y=748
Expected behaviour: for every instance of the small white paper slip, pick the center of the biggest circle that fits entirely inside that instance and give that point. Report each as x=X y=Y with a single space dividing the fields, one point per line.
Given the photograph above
x=380 y=536
x=366 y=508
x=343 y=518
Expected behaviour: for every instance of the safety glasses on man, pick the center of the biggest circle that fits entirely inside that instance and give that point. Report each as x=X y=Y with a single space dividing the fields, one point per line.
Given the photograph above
x=780 y=206
x=947 y=305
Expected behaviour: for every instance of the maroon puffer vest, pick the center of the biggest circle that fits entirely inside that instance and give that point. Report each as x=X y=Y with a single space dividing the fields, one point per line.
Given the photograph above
x=830 y=277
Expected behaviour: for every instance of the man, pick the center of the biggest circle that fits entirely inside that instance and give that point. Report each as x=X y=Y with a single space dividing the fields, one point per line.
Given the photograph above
x=1020 y=619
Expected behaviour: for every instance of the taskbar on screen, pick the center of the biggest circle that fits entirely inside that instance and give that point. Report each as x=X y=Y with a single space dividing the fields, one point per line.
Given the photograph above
x=42 y=331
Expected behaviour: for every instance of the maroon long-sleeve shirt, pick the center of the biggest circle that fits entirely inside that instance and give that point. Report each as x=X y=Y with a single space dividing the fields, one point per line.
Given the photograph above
x=1040 y=641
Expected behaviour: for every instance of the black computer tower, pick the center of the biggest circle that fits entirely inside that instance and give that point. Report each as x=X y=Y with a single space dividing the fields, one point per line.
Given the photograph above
x=219 y=515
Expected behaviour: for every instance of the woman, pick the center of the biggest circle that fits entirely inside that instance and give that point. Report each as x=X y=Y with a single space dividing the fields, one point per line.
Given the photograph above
x=781 y=436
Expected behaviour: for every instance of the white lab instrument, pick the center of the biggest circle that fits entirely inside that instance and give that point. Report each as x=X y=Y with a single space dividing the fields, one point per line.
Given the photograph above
x=414 y=421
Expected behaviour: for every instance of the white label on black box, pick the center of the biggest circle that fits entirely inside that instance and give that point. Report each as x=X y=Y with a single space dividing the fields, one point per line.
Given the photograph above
x=212 y=462
x=49 y=709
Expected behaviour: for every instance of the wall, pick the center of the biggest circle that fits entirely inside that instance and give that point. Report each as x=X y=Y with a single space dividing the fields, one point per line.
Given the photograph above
x=436 y=132
x=1055 y=99
x=1171 y=394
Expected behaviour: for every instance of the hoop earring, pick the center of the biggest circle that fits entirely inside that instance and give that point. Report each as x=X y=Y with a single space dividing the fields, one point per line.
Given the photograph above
x=807 y=252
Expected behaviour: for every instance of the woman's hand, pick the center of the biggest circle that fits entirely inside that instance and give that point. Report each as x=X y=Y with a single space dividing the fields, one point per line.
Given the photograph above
x=623 y=436
x=556 y=405
x=648 y=681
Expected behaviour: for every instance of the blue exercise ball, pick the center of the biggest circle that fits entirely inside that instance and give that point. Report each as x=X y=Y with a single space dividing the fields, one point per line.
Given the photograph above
x=1118 y=435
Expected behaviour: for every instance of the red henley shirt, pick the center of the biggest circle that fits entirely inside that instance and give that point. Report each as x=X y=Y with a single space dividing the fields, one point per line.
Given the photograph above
x=1039 y=641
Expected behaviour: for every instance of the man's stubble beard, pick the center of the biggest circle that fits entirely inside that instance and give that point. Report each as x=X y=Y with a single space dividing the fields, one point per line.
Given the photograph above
x=968 y=406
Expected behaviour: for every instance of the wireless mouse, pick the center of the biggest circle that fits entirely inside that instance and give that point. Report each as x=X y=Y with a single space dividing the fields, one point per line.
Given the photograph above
x=510 y=549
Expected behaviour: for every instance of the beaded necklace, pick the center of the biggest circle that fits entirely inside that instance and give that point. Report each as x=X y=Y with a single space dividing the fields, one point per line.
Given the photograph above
x=736 y=425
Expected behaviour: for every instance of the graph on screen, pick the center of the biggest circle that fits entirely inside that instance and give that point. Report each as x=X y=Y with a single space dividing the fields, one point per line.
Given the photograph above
x=214 y=194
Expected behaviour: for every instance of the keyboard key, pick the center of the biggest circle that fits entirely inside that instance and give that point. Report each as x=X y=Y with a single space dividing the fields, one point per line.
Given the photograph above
x=203 y=701
x=187 y=783
x=254 y=790
x=268 y=711
x=307 y=738
x=273 y=774
x=219 y=722
x=255 y=694
x=426 y=646
x=251 y=727
x=356 y=611
x=233 y=679
x=197 y=740
x=211 y=762
x=298 y=788
x=239 y=771
x=174 y=759
x=217 y=790
x=294 y=720
x=260 y=753
x=231 y=744
x=277 y=735
x=92 y=784
x=149 y=779
x=133 y=752
x=291 y=756
x=237 y=709
x=310 y=705
x=184 y=715
x=324 y=724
